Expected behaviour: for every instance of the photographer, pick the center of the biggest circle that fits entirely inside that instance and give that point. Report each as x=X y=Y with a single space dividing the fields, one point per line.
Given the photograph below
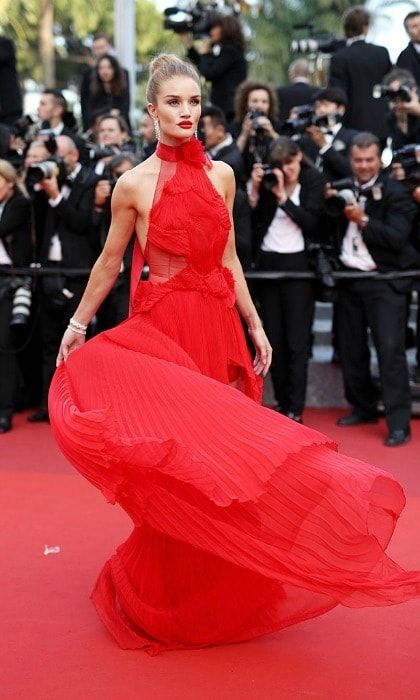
x=403 y=99
x=409 y=59
x=221 y=60
x=255 y=126
x=288 y=201
x=15 y=250
x=113 y=138
x=327 y=142
x=356 y=69
x=66 y=244
x=53 y=114
x=115 y=307
x=299 y=91
x=373 y=233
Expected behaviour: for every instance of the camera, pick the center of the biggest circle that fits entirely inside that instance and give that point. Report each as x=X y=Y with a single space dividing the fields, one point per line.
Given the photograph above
x=198 y=19
x=403 y=94
x=97 y=152
x=327 y=121
x=21 y=126
x=409 y=158
x=21 y=305
x=316 y=42
x=346 y=194
x=269 y=178
x=254 y=115
x=38 y=172
x=304 y=117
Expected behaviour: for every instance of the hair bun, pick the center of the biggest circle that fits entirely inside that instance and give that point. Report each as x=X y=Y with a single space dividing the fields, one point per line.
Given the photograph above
x=163 y=59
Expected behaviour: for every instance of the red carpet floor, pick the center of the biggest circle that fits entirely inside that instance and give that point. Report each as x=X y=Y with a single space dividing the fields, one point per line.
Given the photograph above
x=54 y=647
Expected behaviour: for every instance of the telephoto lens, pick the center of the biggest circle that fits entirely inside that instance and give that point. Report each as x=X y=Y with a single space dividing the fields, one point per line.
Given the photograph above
x=21 y=305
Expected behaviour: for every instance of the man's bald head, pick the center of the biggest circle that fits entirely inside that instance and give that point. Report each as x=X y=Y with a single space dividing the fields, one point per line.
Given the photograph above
x=68 y=151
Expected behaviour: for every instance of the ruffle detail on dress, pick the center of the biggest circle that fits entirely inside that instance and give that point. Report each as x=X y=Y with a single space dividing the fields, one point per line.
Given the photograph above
x=191 y=152
x=218 y=283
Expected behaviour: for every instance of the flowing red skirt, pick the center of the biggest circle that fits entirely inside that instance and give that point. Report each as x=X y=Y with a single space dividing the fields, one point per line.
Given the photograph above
x=244 y=521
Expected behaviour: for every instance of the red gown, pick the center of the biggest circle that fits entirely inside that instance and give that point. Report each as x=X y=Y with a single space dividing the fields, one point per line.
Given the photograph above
x=244 y=521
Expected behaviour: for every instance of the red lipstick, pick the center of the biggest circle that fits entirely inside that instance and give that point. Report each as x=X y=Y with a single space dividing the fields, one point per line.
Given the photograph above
x=185 y=125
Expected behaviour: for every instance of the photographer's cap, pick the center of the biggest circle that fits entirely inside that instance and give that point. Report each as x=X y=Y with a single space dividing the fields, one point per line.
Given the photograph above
x=333 y=94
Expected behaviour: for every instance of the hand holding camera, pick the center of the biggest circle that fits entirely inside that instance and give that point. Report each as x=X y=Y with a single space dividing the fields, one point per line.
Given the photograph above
x=317 y=136
x=50 y=186
x=270 y=178
x=102 y=193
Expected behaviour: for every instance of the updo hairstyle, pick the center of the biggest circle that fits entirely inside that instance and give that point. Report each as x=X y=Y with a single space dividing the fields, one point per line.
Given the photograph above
x=164 y=67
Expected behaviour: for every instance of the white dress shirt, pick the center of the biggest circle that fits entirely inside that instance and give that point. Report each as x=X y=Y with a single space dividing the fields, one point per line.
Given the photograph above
x=284 y=235
x=354 y=251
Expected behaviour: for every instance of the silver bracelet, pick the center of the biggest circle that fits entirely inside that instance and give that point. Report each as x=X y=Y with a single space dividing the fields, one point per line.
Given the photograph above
x=77 y=324
x=76 y=330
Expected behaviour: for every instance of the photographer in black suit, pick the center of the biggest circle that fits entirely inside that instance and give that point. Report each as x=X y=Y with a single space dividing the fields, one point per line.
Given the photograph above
x=298 y=92
x=10 y=94
x=357 y=69
x=373 y=233
x=221 y=146
x=410 y=57
x=288 y=202
x=404 y=117
x=66 y=243
x=52 y=113
x=329 y=145
x=15 y=250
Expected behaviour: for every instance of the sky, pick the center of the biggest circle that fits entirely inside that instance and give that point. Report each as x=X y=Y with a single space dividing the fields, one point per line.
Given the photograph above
x=387 y=30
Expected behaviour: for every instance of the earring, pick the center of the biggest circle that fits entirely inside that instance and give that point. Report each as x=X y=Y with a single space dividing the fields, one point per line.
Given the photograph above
x=157 y=129
x=196 y=133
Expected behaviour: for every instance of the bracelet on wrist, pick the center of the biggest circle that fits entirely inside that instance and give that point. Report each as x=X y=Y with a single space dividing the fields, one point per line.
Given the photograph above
x=76 y=330
x=74 y=322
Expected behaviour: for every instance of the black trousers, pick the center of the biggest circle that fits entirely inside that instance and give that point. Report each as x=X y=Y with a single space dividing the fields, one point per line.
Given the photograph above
x=380 y=306
x=8 y=362
x=287 y=310
x=53 y=324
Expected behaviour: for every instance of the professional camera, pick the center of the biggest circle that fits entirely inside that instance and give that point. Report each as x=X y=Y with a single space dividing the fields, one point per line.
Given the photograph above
x=316 y=42
x=21 y=304
x=409 y=158
x=254 y=115
x=304 y=117
x=21 y=126
x=403 y=94
x=198 y=19
x=269 y=179
x=38 y=172
x=327 y=121
x=346 y=194
x=97 y=152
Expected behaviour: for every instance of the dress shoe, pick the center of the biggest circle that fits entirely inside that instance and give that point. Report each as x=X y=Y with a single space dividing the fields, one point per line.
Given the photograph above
x=294 y=416
x=398 y=437
x=356 y=419
x=5 y=424
x=40 y=416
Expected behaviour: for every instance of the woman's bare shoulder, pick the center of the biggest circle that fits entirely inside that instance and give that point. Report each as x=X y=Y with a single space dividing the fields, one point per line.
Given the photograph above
x=141 y=178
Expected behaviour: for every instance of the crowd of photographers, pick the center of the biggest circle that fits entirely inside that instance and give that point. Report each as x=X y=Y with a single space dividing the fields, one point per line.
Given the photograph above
x=328 y=180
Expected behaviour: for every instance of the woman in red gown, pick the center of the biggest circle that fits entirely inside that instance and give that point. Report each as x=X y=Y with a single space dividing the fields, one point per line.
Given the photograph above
x=244 y=521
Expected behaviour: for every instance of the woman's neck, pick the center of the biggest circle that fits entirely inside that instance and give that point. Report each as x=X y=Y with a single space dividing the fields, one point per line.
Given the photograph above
x=171 y=141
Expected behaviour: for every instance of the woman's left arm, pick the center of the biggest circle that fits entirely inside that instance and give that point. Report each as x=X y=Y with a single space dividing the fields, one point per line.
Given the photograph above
x=244 y=302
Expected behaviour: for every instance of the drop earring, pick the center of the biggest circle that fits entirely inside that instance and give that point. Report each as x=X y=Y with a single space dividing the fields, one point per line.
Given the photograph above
x=157 y=129
x=196 y=133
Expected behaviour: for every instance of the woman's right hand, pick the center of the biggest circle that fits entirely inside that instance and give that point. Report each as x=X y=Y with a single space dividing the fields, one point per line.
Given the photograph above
x=70 y=342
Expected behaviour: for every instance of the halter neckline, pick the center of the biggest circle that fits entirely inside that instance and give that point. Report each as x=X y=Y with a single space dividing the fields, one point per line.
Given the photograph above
x=190 y=152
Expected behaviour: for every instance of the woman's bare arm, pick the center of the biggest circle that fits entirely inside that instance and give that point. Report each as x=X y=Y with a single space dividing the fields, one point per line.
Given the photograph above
x=107 y=267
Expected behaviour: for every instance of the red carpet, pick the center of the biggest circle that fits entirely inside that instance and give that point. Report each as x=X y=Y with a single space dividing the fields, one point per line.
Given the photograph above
x=55 y=648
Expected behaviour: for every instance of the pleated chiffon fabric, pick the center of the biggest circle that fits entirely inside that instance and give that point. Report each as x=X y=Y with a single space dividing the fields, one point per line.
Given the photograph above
x=244 y=521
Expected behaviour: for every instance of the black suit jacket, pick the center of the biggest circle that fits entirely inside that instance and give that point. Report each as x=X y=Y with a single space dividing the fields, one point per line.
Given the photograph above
x=15 y=229
x=334 y=163
x=71 y=220
x=10 y=94
x=225 y=72
x=356 y=69
x=308 y=215
x=294 y=95
x=233 y=157
x=409 y=59
x=388 y=233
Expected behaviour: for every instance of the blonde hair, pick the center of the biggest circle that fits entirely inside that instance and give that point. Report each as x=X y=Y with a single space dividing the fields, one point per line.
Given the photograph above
x=164 y=67
x=10 y=175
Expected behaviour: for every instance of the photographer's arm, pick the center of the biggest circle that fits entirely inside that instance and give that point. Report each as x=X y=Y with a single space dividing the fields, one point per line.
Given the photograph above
x=107 y=266
x=244 y=302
